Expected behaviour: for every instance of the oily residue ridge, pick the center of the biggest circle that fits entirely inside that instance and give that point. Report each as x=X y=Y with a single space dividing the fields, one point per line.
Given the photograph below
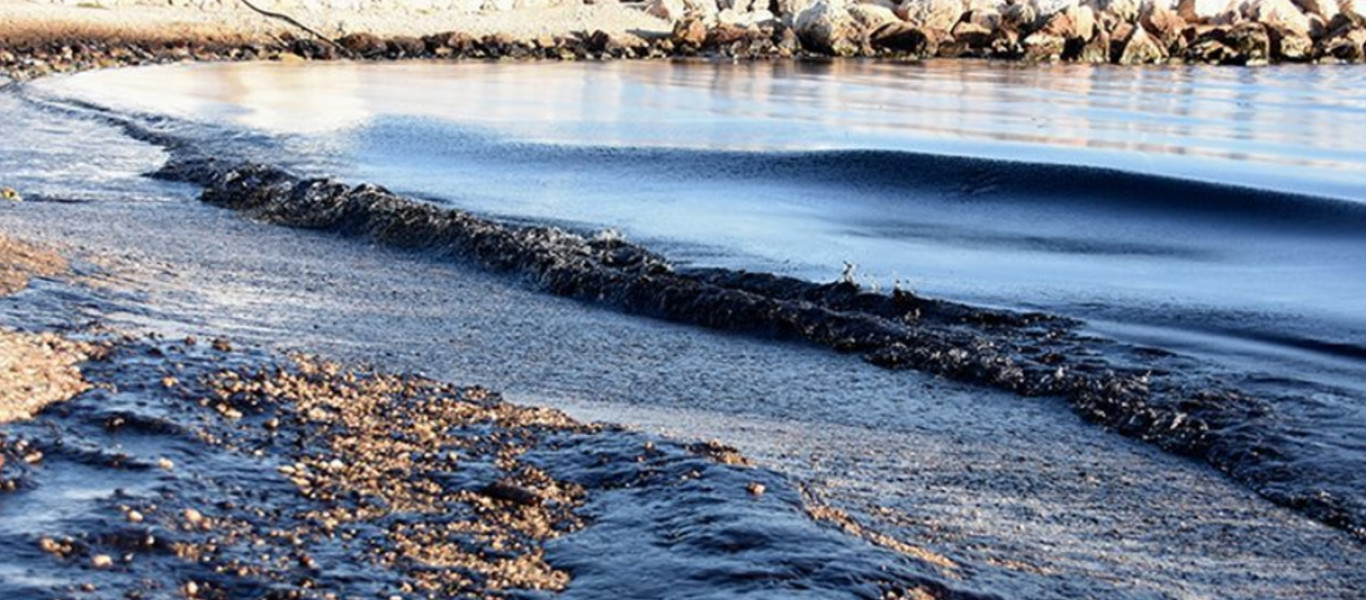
x=201 y=470
x=1141 y=392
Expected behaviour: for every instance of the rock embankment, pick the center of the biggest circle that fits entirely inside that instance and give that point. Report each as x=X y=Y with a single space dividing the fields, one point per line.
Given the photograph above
x=1240 y=32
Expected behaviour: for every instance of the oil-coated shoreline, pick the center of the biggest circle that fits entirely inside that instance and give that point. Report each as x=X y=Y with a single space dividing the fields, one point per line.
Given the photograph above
x=984 y=479
x=1134 y=521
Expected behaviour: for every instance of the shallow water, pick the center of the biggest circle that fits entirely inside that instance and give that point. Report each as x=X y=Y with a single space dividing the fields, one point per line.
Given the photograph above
x=768 y=167
x=720 y=171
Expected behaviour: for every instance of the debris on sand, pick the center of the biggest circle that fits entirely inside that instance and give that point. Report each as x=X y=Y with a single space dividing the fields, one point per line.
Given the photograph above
x=20 y=261
x=37 y=370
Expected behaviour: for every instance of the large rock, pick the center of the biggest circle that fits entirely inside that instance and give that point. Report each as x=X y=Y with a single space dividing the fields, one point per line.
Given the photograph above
x=1083 y=22
x=1059 y=24
x=1201 y=10
x=1279 y=13
x=1048 y=7
x=995 y=6
x=789 y=9
x=1353 y=7
x=675 y=10
x=1290 y=46
x=1327 y=9
x=939 y=15
x=1096 y=51
x=690 y=32
x=971 y=39
x=827 y=27
x=1137 y=47
x=904 y=38
x=364 y=44
x=669 y=10
x=1251 y=43
x=988 y=19
x=1126 y=11
x=1020 y=17
x=1347 y=45
x=1166 y=26
x=734 y=18
x=872 y=16
x=1043 y=46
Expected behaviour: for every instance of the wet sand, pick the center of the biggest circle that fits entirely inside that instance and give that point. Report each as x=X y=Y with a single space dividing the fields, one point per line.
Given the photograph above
x=144 y=467
x=1029 y=499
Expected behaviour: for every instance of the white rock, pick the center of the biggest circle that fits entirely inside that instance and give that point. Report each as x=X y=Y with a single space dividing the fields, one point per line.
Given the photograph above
x=1275 y=12
x=1083 y=21
x=733 y=17
x=789 y=9
x=706 y=8
x=995 y=6
x=669 y=10
x=1021 y=15
x=1209 y=9
x=932 y=14
x=1048 y=7
x=825 y=24
x=872 y=16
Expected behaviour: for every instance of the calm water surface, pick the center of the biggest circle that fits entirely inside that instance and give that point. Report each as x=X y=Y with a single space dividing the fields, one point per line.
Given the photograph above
x=686 y=157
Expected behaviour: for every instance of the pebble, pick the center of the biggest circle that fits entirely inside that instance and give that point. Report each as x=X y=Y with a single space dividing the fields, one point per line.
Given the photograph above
x=102 y=561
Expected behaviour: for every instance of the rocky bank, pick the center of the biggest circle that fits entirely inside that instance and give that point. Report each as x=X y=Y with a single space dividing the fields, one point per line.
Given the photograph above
x=1128 y=32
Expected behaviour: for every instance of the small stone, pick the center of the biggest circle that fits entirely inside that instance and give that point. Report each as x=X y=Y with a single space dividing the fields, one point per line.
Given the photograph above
x=134 y=516
x=191 y=589
x=755 y=489
x=49 y=546
x=102 y=561
x=165 y=463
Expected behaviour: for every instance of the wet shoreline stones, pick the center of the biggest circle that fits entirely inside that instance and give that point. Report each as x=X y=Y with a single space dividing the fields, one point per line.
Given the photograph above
x=1126 y=32
x=303 y=478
